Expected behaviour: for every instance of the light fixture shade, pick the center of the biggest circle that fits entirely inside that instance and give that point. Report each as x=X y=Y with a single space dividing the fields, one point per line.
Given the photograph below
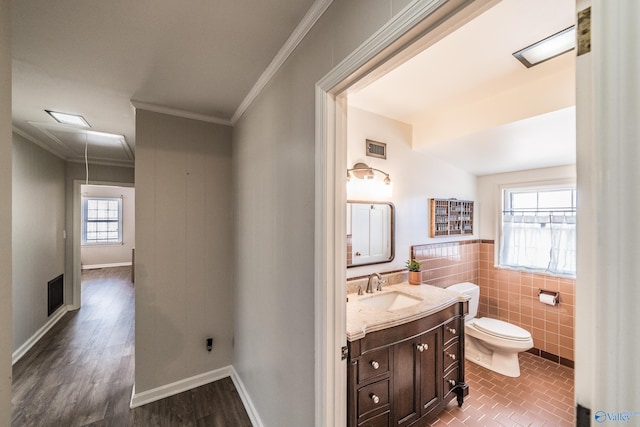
x=552 y=46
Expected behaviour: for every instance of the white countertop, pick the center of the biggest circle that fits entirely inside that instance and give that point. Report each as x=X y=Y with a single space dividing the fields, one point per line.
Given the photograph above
x=362 y=319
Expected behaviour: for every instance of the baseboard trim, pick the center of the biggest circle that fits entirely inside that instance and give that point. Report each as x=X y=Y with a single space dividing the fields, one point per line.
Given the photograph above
x=552 y=357
x=114 y=264
x=140 y=399
x=28 y=344
x=246 y=400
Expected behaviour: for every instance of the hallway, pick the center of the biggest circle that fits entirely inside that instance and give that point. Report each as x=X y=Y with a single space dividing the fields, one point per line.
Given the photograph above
x=82 y=371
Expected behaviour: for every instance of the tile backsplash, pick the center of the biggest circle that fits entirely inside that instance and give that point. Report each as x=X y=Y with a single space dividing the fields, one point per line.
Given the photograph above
x=444 y=264
x=507 y=295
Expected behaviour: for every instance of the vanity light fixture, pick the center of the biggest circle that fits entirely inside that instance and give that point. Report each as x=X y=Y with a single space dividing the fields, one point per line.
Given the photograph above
x=548 y=48
x=69 y=119
x=364 y=171
x=365 y=186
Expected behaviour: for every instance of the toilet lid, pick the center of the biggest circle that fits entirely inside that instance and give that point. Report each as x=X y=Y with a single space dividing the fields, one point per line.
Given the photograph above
x=501 y=329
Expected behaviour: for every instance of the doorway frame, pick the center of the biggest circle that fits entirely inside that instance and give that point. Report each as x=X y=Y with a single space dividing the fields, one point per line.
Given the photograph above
x=76 y=302
x=418 y=26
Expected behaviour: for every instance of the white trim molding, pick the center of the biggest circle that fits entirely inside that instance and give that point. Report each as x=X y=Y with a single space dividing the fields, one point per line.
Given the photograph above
x=308 y=21
x=28 y=344
x=180 y=113
x=36 y=141
x=167 y=390
x=608 y=169
x=162 y=392
x=113 y=264
x=246 y=400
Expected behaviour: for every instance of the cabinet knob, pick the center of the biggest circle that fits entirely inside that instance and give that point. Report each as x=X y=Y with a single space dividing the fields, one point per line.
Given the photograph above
x=452 y=383
x=375 y=364
x=451 y=355
x=375 y=399
x=452 y=330
x=422 y=347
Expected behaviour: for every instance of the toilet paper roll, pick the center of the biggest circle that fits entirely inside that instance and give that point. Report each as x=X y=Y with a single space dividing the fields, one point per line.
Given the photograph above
x=547 y=299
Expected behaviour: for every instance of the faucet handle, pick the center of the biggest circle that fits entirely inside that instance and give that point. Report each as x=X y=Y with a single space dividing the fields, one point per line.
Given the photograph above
x=381 y=282
x=360 y=292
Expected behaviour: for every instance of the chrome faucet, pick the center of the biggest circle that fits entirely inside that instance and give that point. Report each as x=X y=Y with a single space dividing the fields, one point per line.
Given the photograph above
x=370 y=282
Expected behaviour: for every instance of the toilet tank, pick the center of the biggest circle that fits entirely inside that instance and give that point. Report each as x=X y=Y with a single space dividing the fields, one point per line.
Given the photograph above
x=471 y=290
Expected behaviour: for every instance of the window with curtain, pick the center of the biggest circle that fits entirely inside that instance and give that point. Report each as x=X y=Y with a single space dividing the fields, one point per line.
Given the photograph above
x=101 y=220
x=539 y=230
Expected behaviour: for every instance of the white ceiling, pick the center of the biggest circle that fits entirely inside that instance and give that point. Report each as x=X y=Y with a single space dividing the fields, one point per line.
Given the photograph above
x=93 y=57
x=474 y=105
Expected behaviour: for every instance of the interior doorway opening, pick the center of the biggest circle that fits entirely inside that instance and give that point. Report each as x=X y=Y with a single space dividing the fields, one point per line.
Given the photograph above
x=103 y=229
x=377 y=57
x=417 y=27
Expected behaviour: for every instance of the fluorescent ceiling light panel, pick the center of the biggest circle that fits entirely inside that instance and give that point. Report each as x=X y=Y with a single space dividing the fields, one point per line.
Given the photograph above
x=552 y=46
x=68 y=119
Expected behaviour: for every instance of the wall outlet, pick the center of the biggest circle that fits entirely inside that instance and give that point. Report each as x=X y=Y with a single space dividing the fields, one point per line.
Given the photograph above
x=209 y=344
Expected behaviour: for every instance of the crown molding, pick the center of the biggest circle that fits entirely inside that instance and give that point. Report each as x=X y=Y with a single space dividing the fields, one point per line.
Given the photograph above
x=308 y=21
x=37 y=142
x=104 y=162
x=180 y=113
x=99 y=161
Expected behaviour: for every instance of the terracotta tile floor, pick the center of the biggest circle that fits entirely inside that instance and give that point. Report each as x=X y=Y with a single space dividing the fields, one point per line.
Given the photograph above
x=541 y=396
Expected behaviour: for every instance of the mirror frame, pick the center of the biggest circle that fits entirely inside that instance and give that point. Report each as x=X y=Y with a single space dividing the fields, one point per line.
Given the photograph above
x=392 y=219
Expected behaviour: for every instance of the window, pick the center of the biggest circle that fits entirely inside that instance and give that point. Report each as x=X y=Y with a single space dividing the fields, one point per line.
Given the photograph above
x=539 y=229
x=101 y=220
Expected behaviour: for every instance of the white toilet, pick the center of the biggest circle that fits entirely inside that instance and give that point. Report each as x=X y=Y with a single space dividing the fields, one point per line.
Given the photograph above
x=491 y=343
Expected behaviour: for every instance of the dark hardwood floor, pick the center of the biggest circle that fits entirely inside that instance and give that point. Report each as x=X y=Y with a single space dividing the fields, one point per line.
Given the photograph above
x=81 y=372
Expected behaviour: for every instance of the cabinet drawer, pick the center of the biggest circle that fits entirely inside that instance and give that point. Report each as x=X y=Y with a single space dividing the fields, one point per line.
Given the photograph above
x=451 y=330
x=373 y=363
x=450 y=355
x=381 y=420
x=372 y=398
x=450 y=380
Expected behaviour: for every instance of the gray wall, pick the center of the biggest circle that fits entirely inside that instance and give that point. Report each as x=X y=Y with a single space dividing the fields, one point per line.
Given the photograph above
x=184 y=248
x=5 y=213
x=274 y=203
x=38 y=240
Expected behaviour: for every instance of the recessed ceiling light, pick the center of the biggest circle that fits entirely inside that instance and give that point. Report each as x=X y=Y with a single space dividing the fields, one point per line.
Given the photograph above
x=69 y=119
x=552 y=46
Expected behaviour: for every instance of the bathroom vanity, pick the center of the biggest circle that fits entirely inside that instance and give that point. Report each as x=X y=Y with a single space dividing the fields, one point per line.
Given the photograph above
x=406 y=355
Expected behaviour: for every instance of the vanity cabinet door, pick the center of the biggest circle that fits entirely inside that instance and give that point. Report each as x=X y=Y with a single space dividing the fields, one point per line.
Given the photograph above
x=416 y=381
x=430 y=372
x=406 y=365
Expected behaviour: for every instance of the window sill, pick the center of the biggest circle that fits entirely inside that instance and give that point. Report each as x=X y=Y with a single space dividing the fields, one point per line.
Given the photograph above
x=101 y=245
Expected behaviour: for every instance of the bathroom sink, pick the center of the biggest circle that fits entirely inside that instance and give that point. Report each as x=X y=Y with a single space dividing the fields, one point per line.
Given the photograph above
x=390 y=301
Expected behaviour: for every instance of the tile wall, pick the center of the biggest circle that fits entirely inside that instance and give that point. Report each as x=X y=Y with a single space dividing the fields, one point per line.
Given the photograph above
x=444 y=264
x=507 y=295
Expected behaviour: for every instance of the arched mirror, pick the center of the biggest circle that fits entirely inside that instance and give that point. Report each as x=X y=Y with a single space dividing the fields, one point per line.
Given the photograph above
x=370 y=233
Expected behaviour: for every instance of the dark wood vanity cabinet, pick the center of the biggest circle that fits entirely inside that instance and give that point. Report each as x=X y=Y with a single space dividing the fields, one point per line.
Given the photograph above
x=403 y=375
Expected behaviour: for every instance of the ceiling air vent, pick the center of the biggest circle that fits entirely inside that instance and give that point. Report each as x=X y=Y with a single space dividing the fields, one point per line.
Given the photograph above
x=376 y=149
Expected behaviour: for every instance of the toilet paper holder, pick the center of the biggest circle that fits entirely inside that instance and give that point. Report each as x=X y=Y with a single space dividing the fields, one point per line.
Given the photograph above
x=554 y=294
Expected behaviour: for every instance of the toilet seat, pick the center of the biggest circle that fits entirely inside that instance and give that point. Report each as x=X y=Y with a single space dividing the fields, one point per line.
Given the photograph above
x=500 y=329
